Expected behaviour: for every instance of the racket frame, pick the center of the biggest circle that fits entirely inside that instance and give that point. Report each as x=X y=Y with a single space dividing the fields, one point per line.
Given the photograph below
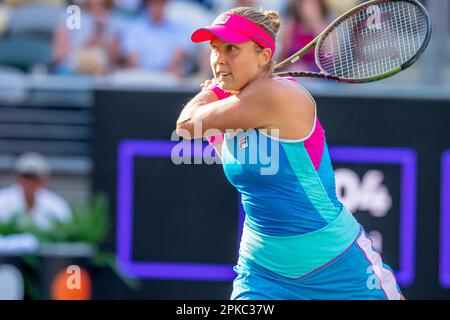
x=317 y=41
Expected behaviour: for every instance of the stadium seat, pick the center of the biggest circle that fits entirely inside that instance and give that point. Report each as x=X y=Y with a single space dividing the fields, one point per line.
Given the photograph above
x=30 y=19
x=26 y=51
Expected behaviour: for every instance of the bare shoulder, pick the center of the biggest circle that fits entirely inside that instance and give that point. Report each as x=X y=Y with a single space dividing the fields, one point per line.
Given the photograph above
x=284 y=104
x=294 y=108
x=286 y=93
x=278 y=89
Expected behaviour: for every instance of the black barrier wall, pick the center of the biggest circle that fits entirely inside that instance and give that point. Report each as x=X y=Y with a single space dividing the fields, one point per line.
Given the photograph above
x=177 y=227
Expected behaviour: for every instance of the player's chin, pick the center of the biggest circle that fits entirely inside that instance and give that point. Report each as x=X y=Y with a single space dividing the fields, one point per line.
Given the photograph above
x=227 y=86
x=232 y=85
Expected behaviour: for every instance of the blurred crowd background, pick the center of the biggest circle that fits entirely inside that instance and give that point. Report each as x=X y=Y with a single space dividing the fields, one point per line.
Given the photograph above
x=55 y=53
x=51 y=63
x=149 y=40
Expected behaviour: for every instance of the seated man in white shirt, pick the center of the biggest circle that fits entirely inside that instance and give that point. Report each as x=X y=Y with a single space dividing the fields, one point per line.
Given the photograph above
x=28 y=199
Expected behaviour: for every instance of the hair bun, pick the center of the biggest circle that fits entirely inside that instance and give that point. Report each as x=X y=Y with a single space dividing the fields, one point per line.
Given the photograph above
x=274 y=19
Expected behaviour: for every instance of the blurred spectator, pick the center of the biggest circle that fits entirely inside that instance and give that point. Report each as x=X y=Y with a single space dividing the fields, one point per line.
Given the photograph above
x=338 y=7
x=305 y=20
x=4 y=18
x=223 y=5
x=127 y=6
x=199 y=16
x=206 y=3
x=157 y=43
x=92 y=49
x=28 y=199
x=245 y=3
x=16 y=3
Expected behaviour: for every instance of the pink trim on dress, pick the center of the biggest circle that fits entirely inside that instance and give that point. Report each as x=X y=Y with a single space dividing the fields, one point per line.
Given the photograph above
x=314 y=145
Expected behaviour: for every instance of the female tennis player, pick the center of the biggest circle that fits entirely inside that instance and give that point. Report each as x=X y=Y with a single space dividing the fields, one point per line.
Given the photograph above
x=299 y=241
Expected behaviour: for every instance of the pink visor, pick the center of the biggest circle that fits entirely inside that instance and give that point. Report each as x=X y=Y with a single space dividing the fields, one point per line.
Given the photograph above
x=233 y=28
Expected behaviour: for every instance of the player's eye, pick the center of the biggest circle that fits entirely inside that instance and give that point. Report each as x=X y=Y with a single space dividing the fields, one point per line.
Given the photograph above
x=231 y=48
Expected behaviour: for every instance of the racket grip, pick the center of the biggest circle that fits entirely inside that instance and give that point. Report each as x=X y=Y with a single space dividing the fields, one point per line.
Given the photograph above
x=221 y=94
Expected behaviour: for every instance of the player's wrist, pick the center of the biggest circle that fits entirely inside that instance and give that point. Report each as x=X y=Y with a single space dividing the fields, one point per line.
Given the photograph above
x=218 y=91
x=220 y=94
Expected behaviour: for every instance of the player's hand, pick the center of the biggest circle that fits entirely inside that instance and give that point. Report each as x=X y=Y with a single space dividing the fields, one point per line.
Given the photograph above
x=207 y=84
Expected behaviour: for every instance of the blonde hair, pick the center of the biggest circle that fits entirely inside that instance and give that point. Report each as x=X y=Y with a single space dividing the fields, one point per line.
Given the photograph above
x=268 y=20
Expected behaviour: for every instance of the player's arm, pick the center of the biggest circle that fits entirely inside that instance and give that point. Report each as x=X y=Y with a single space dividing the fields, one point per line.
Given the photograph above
x=215 y=138
x=250 y=108
x=204 y=97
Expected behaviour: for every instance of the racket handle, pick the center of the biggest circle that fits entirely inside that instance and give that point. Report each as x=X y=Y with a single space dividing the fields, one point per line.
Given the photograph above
x=298 y=55
x=306 y=74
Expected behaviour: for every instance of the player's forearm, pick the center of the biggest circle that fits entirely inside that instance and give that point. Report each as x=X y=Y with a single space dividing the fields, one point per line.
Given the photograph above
x=187 y=114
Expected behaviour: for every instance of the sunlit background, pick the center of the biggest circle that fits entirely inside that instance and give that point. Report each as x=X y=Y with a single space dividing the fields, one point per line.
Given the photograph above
x=82 y=81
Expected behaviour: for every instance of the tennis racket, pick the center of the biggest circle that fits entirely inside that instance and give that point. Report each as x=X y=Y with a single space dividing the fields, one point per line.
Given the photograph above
x=372 y=41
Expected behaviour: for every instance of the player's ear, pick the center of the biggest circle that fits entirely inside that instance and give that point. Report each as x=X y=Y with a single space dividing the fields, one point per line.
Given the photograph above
x=264 y=56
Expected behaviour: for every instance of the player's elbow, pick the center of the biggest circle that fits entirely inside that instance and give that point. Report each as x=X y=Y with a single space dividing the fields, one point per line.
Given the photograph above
x=185 y=129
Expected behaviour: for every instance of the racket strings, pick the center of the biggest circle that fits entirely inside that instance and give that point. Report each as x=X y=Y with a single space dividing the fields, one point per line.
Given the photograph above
x=356 y=49
x=378 y=52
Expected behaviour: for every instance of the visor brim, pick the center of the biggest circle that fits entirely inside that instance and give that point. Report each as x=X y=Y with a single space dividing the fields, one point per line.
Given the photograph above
x=220 y=31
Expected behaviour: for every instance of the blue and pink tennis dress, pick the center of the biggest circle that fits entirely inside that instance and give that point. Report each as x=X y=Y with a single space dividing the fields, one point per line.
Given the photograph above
x=299 y=241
